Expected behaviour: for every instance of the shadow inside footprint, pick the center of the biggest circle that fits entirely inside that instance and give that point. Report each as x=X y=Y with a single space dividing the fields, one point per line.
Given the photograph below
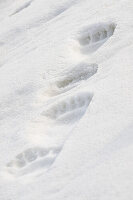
x=69 y=109
x=92 y=37
x=32 y=160
x=70 y=79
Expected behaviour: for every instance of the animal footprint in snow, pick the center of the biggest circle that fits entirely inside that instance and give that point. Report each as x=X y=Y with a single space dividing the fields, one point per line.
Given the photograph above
x=71 y=78
x=93 y=37
x=70 y=108
x=32 y=160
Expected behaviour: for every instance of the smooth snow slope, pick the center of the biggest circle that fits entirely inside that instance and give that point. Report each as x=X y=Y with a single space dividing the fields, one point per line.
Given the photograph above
x=66 y=98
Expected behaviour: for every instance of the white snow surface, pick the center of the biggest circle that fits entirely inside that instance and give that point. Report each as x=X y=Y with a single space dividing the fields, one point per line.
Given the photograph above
x=66 y=100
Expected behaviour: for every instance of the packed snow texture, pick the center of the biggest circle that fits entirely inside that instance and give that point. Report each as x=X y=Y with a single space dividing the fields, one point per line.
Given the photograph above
x=66 y=117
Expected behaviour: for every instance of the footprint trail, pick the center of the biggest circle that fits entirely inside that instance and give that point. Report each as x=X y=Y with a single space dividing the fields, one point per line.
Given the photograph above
x=64 y=108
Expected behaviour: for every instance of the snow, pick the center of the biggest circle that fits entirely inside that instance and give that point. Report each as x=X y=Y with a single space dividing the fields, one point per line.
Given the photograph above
x=66 y=98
